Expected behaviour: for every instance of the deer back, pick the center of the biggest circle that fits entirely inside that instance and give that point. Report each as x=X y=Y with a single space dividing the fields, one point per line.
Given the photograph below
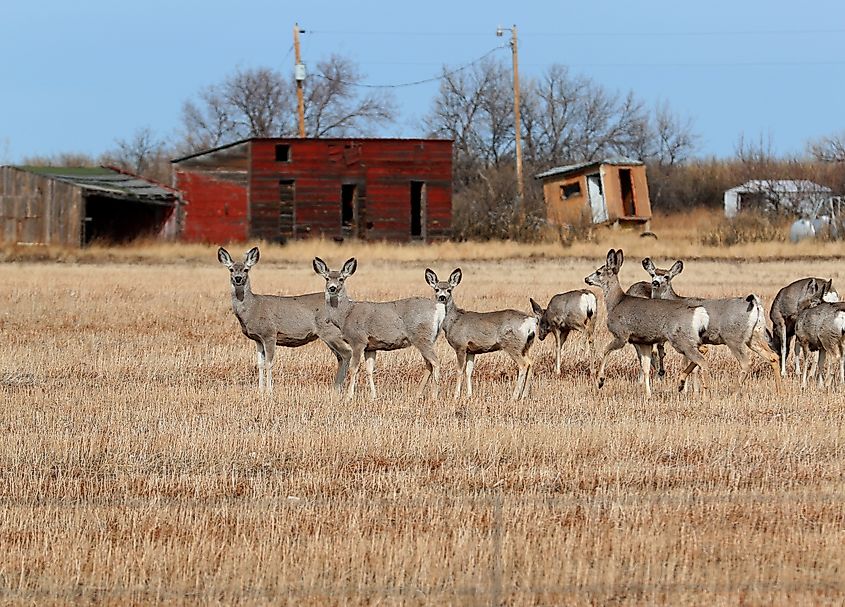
x=480 y=332
x=294 y=320
x=393 y=325
x=654 y=320
x=571 y=309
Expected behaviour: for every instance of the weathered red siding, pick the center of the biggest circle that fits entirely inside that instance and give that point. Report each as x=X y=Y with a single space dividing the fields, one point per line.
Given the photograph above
x=381 y=169
x=216 y=210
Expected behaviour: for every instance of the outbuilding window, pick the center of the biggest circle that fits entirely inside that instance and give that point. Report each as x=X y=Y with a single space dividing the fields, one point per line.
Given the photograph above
x=283 y=152
x=570 y=190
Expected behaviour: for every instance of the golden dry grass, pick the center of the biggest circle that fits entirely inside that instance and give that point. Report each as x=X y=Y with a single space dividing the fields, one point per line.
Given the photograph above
x=139 y=465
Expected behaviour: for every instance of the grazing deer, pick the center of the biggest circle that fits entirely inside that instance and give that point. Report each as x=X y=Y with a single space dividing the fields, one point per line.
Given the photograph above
x=472 y=333
x=369 y=327
x=566 y=312
x=784 y=312
x=820 y=326
x=645 y=322
x=737 y=322
x=272 y=320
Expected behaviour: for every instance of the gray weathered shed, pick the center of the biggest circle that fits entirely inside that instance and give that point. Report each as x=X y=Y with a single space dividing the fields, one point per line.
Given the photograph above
x=74 y=206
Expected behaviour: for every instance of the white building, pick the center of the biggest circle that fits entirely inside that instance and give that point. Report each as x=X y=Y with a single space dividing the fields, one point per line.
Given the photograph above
x=797 y=196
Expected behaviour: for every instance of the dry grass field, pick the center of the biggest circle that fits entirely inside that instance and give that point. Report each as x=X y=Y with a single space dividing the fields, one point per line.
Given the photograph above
x=140 y=465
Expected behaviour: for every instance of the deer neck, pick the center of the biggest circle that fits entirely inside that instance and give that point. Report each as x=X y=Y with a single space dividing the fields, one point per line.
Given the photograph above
x=453 y=313
x=613 y=293
x=242 y=299
x=338 y=306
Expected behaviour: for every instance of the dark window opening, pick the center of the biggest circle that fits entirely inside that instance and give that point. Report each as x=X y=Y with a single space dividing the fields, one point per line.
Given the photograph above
x=282 y=152
x=629 y=206
x=417 y=206
x=570 y=190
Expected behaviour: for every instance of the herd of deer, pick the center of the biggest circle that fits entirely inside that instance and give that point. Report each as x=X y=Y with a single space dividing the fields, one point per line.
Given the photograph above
x=648 y=315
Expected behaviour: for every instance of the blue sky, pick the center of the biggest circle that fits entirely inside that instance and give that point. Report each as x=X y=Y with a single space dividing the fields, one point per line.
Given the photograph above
x=78 y=75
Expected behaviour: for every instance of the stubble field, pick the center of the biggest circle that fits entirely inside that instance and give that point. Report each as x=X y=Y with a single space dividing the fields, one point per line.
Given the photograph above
x=140 y=465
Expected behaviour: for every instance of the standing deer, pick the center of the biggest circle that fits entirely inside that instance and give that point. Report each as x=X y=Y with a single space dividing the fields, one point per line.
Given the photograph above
x=272 y=320
x=783 y=313
x=737 y=322
x=566 y=312
x=369 y=327
x=472 y=333
x=645 y=322
x=820 y=326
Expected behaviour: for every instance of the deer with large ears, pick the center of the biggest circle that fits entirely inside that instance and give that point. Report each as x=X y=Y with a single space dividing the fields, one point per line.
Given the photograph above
x=567 y=312
x=472 y=333
x=645 y=322
x=369 y=327
x=271 y=320
x=736 y=322
x=820 y=325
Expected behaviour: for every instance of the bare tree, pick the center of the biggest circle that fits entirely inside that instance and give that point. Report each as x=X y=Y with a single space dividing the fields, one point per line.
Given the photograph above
x=828 y=149
x=142 y=154
x=261 y=102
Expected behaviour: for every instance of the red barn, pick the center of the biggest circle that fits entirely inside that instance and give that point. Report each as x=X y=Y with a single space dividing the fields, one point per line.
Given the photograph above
x=277 y=189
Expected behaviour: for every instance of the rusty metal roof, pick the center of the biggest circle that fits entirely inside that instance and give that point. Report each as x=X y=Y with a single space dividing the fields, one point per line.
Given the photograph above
x=109 y=182
x=574 y=168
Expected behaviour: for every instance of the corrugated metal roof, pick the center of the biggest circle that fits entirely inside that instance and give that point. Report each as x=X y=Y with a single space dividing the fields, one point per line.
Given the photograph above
x=780 y=185
x=572 y=168
x=109 y=182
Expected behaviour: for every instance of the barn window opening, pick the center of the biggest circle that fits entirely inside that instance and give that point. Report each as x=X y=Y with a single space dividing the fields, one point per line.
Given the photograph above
x=570 y=190
x=627 y=190
x=417 y=207
x=283 y=152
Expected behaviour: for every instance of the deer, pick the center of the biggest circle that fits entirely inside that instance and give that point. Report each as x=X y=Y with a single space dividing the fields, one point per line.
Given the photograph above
x=273 y=320
x=820 y=326
x=784 y=312
x=737 y=322
x=646 y=322
x=371 y=327
x=567 y=312
x=472 y=333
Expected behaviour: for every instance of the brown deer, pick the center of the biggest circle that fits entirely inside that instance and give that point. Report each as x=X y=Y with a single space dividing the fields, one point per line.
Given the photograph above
x=567 y=312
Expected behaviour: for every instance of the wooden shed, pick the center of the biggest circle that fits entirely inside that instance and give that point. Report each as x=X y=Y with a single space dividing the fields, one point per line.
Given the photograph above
x=278 y=189
x=613 y=191
x=73 y=206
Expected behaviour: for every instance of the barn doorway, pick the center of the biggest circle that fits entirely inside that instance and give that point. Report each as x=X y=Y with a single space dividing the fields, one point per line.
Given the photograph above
x=349 y=210
x=418 y=209
x=115 y=220
x=596 y=196
x=626 y=185
x=287 y=209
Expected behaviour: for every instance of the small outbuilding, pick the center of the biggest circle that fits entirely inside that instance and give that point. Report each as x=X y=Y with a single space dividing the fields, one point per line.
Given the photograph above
x=74 y=206
x=612 y=191
x=793 y=196
x=276 y=189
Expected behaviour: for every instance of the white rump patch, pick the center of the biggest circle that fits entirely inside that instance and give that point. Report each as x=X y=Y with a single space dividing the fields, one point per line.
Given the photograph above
x=588 y=304
x=439 y=317
x=839 y=322
x=831 y=297
x=528 y=326
x=700 y=320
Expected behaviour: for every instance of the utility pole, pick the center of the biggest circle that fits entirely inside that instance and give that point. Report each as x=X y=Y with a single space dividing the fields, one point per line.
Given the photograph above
x=520 y=182
x=299 y=75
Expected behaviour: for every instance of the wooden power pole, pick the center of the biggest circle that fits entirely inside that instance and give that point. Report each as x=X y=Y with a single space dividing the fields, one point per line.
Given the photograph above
x=520 y=181
x=299 y=75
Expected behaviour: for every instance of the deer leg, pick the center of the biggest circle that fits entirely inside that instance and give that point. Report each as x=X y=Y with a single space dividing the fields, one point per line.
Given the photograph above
x=821 y=368
x=741 y=353
x=269 y=355
x=806 y=349
x=591 y=349
x=781 y=330
x=693 y=354
x=564 y=335
x=354 y=363
x=343 y=353
x=615 y=344
x=470 y=367
x=644 y=352
x=432 y=369
x=558 y=348
x=661 y=354
x=461 y=356
x=798 y=363
x=524 y=364
x=370 y=361
x=758 y=344
x=259 y=362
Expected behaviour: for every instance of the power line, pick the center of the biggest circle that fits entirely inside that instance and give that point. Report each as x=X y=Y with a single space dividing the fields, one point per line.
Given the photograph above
x=595 y=34
x=415 y=82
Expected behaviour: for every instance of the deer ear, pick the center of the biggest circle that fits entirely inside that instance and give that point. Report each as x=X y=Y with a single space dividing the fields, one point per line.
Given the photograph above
x=349 y=267
x=610 y=261
x=320 y=267
x=251 y=258
x=537 y=308
x=676 y=268
x=648 y=266
x=224 y=257
x=430 y=277
x=455 y=277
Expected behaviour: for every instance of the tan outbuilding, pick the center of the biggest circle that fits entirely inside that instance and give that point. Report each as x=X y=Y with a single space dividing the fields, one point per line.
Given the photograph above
x=612 y=191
